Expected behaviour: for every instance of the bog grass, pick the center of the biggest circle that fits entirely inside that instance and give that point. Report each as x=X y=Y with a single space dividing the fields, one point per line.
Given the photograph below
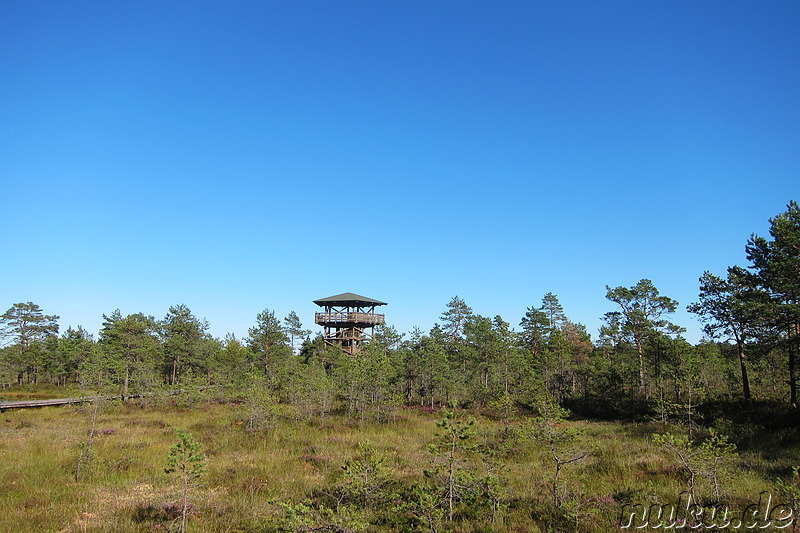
x=37 y=392
x=125 y=488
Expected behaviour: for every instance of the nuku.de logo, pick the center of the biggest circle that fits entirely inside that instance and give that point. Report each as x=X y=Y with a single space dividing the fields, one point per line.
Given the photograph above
x=687 y=514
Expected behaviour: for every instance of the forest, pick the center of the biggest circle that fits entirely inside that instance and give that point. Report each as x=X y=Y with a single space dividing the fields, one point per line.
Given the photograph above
x=489 y=395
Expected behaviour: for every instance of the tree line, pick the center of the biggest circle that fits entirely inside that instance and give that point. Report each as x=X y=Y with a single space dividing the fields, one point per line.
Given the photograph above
x=751 y=317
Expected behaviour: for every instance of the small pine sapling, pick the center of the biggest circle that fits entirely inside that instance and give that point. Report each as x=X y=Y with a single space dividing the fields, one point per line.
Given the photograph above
x=366 y=480
x=450 y=447
x=262 y=406
x=506 y=408
x=563 y=443
x=186 y=460
x=709 y=460
x=87 y=448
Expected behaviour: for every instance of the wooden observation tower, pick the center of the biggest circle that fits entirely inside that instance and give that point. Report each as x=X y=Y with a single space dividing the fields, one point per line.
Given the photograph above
x=349 y=320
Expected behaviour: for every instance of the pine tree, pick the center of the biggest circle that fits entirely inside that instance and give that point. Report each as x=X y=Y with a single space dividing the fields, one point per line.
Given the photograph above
x=776 y=265
x=27 y=328
x=294 y=330
x=642 y=315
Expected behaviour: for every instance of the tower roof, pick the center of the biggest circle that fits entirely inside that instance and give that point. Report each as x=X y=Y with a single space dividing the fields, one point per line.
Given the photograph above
x=348 y=299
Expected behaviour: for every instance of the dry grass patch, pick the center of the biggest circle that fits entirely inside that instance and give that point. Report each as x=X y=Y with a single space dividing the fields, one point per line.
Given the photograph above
x=125 y=488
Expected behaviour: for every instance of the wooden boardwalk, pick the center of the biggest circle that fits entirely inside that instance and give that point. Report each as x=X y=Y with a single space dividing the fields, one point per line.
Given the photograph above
x=23 y=404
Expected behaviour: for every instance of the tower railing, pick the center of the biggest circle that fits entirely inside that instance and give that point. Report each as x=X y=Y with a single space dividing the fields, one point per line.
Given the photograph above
x=348 y=318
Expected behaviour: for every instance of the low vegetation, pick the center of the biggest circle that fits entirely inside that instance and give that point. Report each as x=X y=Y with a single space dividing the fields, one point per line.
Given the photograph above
x=420 y=470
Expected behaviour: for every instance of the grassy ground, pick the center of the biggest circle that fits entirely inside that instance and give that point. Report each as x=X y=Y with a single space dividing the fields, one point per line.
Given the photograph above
x=37 y=392
x=125 y=489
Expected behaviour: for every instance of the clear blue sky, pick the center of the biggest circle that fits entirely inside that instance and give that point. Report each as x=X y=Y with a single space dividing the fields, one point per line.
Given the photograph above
x=236 y=156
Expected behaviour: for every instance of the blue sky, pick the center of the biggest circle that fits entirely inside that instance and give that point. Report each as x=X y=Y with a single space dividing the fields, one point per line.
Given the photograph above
x=237 y=156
